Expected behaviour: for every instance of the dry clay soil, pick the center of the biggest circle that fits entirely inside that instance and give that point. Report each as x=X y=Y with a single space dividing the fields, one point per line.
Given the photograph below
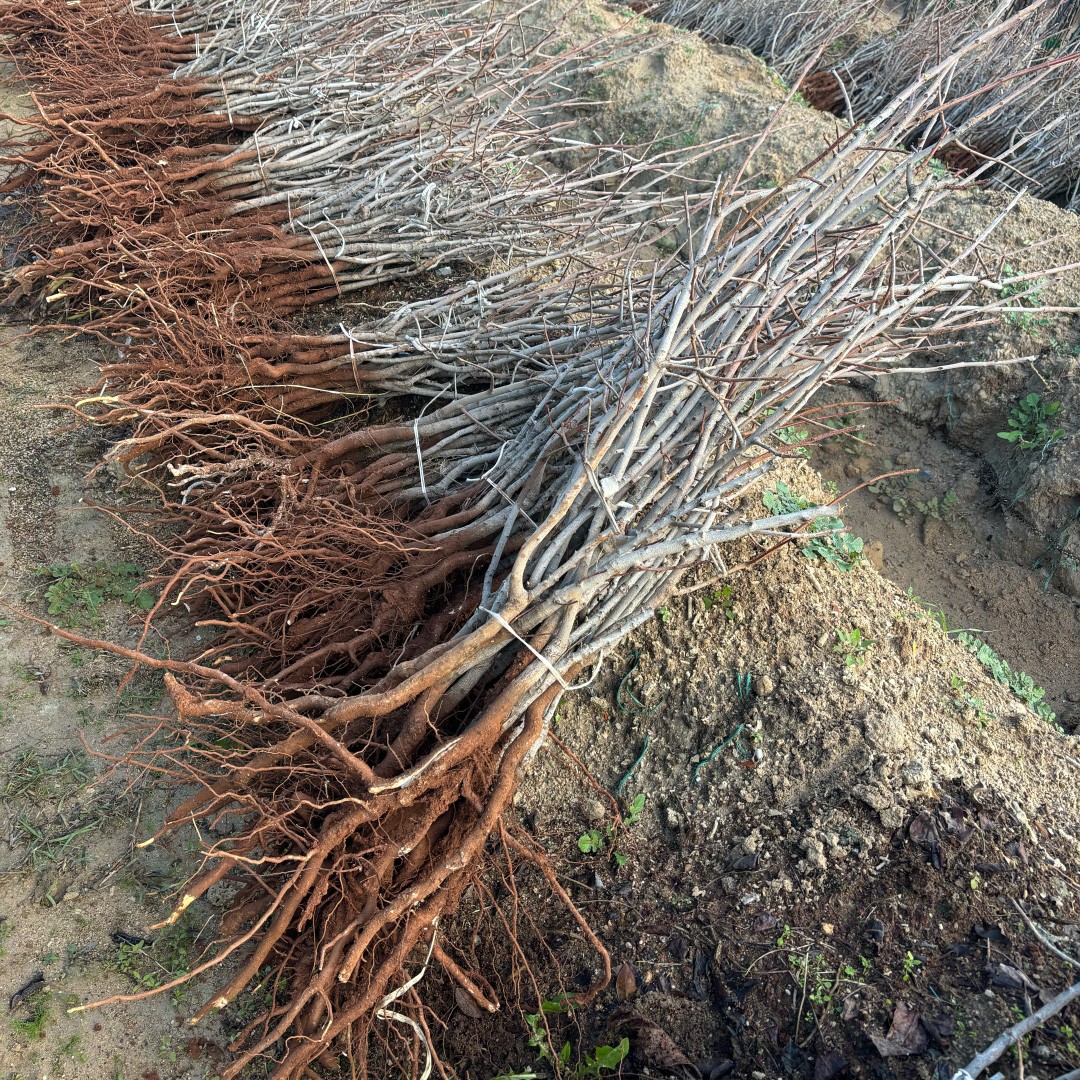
x=821 y=873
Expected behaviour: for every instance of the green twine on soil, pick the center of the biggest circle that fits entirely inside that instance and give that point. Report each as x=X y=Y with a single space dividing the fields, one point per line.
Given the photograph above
x=622 y=692
x=727 y=742
x=630 y=772
x=743 y=684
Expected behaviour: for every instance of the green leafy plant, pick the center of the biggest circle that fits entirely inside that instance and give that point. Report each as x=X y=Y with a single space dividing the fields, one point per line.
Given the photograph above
x=1024 y=294
x=32 y=776
x=721 y=598
x=76 y=593
x=793 y=436
x=33 y=1026
x=1029 y=423
x=594 y=1062
x=596 y=840
x=633 y=813
x=823 y=984
x=150 y=965
x=167 y=1049
x=71 y=1049
x=854 y=645
x=938 y=169
x=591 y=842
x=941 y=509
x=839 y=548
x=1022 y=685
x=964 y=700
x=911 y=965
x=1066 y=1032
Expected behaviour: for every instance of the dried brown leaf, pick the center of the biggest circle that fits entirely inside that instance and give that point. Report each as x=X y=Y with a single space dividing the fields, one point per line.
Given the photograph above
x=465 y=1003
x=907 y=1035
x=651 y=1043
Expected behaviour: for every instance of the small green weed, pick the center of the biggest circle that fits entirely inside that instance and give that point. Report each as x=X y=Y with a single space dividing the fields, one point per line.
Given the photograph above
x=1066 y=1032
x=71 y=1049
x=141 y=695
x=1023 y=686
x=76 y=593
x=633 y=813
x=33 y=1026
x=1029 y=424
x=591 y=842
x=938 y=169
x=793 y=436
x=823 y=984
x=853 y=645
x=1024 y=294
x=911 y=965
x=150 y=965
x=45 y=846
x=965 y=701
x=601 y=1058
x=260 y=998
x=32 y=776
x=941 y=509
x=167 y=1049
x=596 y=840
x=723 y=599
x=839 y=549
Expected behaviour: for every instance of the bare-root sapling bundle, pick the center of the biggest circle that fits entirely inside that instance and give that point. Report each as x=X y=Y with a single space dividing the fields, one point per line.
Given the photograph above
x=429 y=150
x=1015 y=96
x=1012 y=108
x=570 y=501
x=790 y=35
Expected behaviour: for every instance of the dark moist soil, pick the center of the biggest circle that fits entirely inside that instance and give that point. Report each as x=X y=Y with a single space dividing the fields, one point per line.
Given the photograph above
x=782 y=913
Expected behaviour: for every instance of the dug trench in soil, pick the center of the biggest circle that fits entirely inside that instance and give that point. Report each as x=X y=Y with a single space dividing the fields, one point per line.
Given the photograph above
x=515 y=849
x=942 y=531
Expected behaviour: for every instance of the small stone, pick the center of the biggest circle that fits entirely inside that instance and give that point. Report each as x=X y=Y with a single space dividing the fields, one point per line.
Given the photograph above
x=765 y=686
x=858 y=466
x=914 y=771
x=815 y=853
x=874 y=550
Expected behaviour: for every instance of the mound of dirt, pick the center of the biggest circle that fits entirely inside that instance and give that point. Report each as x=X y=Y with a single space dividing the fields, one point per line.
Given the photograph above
x=820 y=840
